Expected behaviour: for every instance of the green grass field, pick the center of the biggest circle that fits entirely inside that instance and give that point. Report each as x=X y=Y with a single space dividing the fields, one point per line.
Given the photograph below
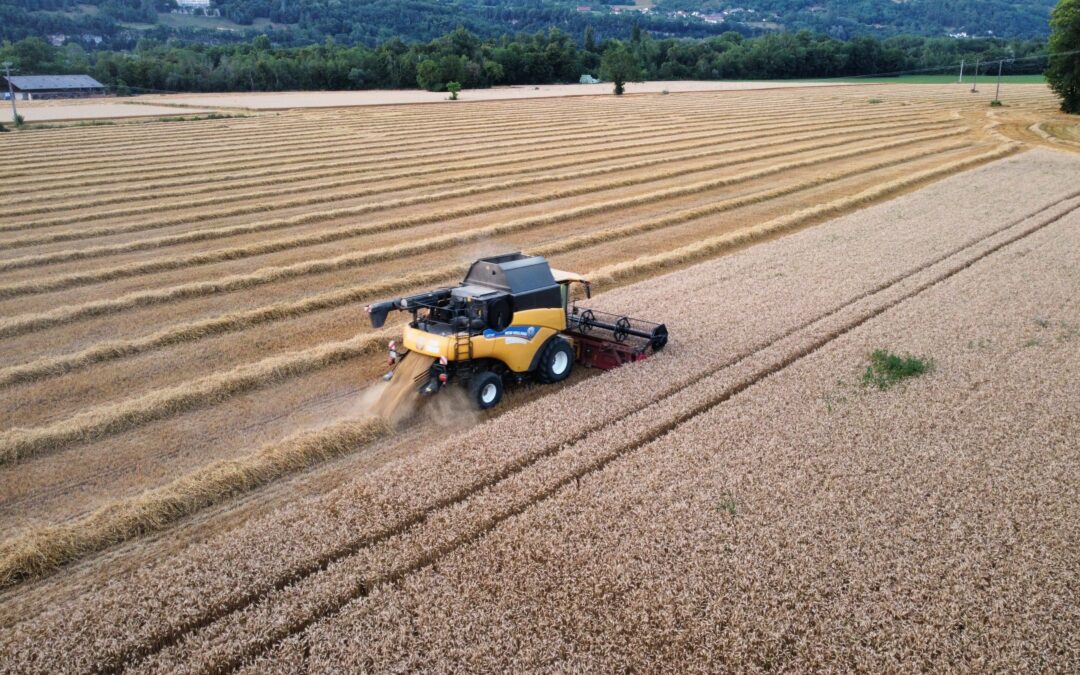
x=211 y=22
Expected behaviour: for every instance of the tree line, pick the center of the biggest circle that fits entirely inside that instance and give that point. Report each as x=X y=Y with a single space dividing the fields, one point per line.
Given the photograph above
x=543 y=57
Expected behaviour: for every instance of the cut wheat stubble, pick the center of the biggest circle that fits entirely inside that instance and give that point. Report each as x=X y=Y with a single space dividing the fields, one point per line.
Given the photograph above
x=679 y=134
x=612 y=151
x=516 y=132
x=21 y=324
x=303 y=168
x=47 y=548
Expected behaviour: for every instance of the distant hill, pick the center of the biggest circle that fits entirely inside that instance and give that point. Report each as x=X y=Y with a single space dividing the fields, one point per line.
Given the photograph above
x=119 y=24
x=848 y=18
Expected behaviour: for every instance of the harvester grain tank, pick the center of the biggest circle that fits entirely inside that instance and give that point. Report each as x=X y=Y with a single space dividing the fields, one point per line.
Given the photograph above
x=512 y=318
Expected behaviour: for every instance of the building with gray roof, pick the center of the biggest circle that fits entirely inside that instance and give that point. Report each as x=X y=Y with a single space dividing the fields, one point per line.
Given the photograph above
x=34 y=87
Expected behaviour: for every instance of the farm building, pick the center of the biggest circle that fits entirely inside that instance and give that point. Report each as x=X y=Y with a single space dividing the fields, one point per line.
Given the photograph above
x=33 y=87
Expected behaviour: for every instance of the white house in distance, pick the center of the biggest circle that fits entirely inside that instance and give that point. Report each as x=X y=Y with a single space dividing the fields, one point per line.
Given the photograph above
x=195 y=7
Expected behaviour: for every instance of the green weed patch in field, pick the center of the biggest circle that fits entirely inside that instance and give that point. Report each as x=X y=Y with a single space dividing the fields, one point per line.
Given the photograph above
x=887 y=368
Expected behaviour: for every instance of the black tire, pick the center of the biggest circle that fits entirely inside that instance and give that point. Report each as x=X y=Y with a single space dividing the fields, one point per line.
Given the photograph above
x=486 y=389
x=556 y=362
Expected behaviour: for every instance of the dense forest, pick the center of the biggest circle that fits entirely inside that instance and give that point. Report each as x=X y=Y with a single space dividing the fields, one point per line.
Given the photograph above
x=527 y=58
x=120 y=24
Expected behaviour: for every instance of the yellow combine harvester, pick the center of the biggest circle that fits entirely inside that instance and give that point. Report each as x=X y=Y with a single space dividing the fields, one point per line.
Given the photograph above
x=511 y=318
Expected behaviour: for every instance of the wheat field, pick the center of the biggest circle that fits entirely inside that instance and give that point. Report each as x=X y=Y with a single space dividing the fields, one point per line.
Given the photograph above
x=188 y=479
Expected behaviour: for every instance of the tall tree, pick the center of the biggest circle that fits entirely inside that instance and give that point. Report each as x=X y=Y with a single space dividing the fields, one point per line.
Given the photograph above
x=590 y=39
x=620 y=65
x=1063 y=72
x=427 y=75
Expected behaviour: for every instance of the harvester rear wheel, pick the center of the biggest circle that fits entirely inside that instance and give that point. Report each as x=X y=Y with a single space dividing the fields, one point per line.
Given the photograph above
x=556 y=362
x=486 y=389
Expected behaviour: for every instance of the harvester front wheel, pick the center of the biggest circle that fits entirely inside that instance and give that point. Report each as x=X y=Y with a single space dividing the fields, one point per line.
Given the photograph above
x=486 y=389
x=556 y=362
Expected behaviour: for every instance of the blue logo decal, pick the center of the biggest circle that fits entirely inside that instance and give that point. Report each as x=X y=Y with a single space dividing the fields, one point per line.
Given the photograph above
x=520 y=332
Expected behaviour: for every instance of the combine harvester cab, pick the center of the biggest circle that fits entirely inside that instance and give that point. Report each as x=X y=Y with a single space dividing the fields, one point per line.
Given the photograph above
x=512 y=318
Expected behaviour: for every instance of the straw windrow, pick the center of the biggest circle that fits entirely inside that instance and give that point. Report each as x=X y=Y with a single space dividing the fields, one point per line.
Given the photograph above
x=44 y=549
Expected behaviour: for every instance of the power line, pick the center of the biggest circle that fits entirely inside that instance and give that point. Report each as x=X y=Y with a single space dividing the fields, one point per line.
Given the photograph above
x=11 y=92
x=947 y=67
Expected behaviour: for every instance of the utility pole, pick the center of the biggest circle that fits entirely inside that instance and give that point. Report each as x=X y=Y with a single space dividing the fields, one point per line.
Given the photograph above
x=961 y=81
x=997 y=93
x=11 y=90
x=975 y=79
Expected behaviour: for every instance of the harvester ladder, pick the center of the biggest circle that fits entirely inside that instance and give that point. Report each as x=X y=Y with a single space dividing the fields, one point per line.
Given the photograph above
x=463 y=346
